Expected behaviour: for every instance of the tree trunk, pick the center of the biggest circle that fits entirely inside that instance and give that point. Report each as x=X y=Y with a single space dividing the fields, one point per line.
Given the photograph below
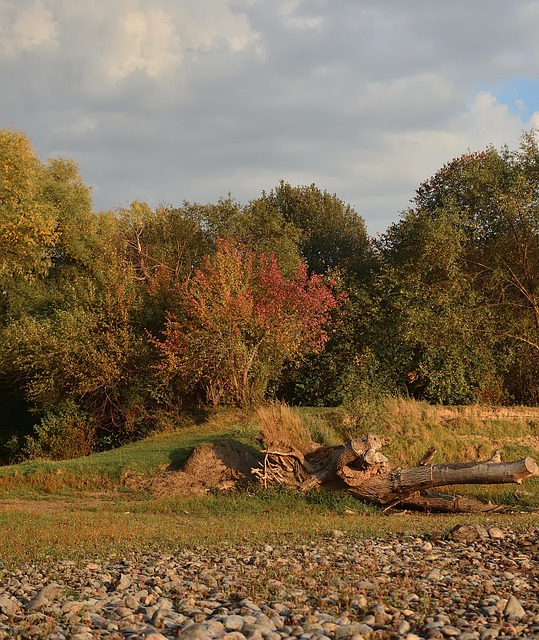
x=399 y=484
x=358 y=467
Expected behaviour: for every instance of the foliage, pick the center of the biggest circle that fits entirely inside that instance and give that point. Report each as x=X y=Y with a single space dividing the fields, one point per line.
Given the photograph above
x=460 y=278
x=241 y=320
x=443 y=307
x=64 y=432
x=27 y=220
x=333 y=236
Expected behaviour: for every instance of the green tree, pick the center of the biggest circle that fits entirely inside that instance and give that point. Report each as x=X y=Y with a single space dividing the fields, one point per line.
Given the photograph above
x=467 y=255
x=432 y=324
x=331 y=234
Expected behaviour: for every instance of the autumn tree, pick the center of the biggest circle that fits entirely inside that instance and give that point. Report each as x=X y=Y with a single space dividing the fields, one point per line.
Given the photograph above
x=72 y=344
x=27 y=220
x=240 y=320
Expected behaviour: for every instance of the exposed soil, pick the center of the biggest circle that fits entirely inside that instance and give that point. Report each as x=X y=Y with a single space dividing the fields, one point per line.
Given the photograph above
x=215 y=465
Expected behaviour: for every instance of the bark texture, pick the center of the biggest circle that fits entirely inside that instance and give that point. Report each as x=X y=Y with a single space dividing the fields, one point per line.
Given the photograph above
x=360 y=468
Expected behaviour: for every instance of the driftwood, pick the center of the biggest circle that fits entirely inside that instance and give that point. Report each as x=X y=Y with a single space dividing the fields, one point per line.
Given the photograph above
x=359 y=468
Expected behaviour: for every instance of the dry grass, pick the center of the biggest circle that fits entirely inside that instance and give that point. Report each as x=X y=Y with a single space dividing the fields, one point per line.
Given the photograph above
x=79 y=507
x=83 y=529
x=282 y=428
x=458 y=433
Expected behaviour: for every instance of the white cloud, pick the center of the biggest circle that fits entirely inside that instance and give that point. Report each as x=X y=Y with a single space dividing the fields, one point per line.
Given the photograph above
x=289 y=10
x=26 y=27
x=171 y=100
x=147 y=41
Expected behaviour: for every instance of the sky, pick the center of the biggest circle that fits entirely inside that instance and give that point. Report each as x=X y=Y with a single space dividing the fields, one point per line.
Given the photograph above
x=173 y=100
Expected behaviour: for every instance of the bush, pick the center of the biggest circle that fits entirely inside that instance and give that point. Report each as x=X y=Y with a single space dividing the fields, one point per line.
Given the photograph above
x=64 y=432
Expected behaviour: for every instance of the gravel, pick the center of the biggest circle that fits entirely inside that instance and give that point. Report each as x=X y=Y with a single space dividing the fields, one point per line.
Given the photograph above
x=473 y=583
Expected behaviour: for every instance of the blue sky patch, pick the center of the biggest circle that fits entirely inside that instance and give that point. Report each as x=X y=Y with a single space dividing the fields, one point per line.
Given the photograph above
x=520 y=89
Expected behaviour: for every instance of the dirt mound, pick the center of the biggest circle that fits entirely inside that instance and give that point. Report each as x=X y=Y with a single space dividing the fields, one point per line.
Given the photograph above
x=214 y=465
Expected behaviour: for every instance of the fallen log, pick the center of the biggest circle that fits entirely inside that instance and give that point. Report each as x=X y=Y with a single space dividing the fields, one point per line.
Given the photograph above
x=359 y=468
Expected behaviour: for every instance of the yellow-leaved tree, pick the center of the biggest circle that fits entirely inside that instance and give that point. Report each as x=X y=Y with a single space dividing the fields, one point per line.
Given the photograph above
x=27 y=220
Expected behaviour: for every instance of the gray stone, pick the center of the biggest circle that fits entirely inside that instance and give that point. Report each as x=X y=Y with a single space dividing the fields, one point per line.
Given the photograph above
x=449 y=631
x=404 y=627
x=468 y=533
x=233 y=623
x=38 y=603
x=513 y=609
x=435 y=575
x=489 y=634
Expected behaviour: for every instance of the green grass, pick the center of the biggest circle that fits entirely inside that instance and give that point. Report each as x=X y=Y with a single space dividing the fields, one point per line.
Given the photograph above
x=103 y=471
x=79 y=508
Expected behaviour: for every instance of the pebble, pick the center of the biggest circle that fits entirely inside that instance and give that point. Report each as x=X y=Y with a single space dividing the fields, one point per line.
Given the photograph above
x=473 y=583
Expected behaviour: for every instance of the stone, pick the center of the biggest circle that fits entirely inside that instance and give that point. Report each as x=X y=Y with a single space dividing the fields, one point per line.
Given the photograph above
x=449 y=631
x=8 y=606
x=434 y=575
x=489 y=634
x=513 y=609
x=468 y=533
x=196 y=631
x=123 y=583
x=404 y=627
x=38 y=603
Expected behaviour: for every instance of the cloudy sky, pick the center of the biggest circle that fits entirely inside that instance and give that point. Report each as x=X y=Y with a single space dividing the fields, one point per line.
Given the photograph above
x=172 y=100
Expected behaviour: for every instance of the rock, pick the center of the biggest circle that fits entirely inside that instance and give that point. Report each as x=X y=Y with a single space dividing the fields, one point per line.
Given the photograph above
x=449 y=631
x=404 y=627
x=123 y=583
x=38 y=603
x=513 y=609
x=434 y=575
x=9 y=606
x=468 y=533
x=489 y=634
x=338 y=589
x=196 y=631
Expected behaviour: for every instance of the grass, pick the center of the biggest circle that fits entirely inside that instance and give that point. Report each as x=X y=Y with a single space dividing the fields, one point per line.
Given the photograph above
x=79 y=508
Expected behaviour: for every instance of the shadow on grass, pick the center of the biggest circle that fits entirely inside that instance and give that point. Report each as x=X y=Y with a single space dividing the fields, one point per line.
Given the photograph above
x=178 y=457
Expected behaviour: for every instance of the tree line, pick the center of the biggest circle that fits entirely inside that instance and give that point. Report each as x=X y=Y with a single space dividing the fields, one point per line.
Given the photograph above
x=113 y=323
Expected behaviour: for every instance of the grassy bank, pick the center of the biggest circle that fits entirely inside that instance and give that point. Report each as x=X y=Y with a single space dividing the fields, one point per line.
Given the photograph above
x=82 y=507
